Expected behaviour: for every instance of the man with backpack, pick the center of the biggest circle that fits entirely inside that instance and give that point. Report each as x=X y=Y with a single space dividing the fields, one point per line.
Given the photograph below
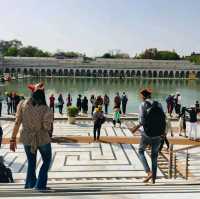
x=152 y=122
x=5 y=173
x=98 y=119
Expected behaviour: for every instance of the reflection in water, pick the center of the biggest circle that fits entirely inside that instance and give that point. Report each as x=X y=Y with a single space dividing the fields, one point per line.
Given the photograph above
x=189 y=89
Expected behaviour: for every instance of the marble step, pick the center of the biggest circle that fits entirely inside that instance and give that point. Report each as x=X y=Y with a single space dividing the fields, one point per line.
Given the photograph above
x=76 y=189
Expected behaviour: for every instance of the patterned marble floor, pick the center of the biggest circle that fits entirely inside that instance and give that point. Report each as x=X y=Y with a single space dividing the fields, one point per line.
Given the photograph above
x=80 y=161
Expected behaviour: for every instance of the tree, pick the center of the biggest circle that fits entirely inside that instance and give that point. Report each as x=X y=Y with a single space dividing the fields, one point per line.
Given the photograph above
x=153 y=53
x=70 y=54
x=122 y=56
x=194 y=58
x=6 y=45
x=117 y=56
x=12 y=51
x=150 y=53
x=107 y=56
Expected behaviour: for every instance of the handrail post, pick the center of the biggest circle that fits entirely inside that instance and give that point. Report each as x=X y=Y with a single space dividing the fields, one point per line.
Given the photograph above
x=187 y=165
x=170 y=161
x=175 y=170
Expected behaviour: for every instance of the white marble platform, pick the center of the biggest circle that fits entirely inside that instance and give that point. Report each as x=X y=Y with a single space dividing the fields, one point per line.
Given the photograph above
x=87 y=161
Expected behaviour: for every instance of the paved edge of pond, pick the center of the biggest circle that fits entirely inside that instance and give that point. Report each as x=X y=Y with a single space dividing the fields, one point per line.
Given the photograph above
x=57 y=116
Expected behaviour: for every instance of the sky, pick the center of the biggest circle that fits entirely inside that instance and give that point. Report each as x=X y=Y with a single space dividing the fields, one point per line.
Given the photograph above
x=98 y=26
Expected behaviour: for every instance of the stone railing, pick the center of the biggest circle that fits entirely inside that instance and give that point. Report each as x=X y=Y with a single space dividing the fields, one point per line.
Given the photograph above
x=98 y=63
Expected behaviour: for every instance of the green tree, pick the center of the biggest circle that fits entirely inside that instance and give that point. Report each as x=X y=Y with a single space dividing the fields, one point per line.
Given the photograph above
x=107 y=56
x=69 y=54
x=153 y=53
x=6 y=45
x=12 y=51
x=194 y=58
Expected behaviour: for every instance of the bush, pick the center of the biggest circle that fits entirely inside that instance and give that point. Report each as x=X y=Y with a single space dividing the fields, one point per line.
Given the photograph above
x=72 y=111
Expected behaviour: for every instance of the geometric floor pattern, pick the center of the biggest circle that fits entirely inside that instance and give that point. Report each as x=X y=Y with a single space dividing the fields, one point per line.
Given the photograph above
x=80 y=160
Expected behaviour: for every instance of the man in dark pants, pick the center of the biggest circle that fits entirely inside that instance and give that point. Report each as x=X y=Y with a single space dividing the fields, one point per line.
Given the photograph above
x=153 y=140
x=98 y=119
x=124 y=100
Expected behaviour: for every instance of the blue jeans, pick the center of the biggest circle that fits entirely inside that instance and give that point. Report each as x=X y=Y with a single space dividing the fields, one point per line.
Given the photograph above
x=46 y=154
x=154 y=142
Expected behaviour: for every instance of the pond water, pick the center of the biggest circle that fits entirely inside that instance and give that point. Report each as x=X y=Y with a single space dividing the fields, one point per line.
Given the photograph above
x=189 y=89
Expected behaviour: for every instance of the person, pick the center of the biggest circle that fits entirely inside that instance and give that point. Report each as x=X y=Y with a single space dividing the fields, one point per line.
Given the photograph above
x=117 y=100
x=106 y=102
x=124 y=100
x=93 y=102
x=177 y=103
x=98 y=119
x=1 y=101
x=16 y=101
x=36 y=119
x=197 y=106
x=170 y=104
x=193 y=122
x=79 y=103
x=9 y=103
x=60 y=103
x=12 y=102
x=152 y=122
x=164 y=138
x=52 y=102
x=5 y=172
x=182 y=122
x=99 y=101
x=69 y=100
x=1 y=135
x=116 y=116
x=84 y=105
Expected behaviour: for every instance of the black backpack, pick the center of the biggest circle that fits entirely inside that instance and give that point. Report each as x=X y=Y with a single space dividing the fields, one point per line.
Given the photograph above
x=154 y=119
x=5 y=175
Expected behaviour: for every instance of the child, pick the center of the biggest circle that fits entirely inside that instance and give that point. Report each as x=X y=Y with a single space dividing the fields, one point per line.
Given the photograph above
x=193 y=122
x=167 y=130
x=116 y=116
x=182 y=122
x=99 y=119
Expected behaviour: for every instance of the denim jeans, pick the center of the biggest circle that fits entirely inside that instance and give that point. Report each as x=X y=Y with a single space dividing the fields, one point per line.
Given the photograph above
x=46 y=154
x=154 y=142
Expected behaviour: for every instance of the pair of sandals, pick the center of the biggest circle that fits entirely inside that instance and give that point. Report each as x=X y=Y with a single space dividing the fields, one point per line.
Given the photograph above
x=149 y=176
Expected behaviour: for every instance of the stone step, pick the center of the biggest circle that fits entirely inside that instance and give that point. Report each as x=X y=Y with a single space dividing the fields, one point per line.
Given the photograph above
x=75 y=189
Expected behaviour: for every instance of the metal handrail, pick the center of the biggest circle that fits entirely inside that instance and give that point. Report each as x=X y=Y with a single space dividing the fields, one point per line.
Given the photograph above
x=173 y=160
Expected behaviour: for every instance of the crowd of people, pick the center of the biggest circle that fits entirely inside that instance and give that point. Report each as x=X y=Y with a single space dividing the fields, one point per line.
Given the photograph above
x=12 y=100
x=82 y=102
x=183 y=113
